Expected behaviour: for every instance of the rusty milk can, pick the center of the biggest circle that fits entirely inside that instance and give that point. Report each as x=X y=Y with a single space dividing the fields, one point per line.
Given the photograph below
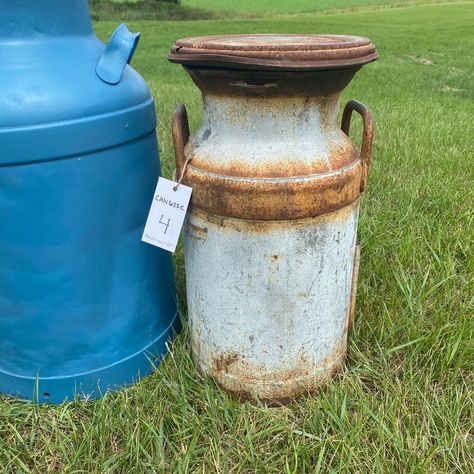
x=270 y=241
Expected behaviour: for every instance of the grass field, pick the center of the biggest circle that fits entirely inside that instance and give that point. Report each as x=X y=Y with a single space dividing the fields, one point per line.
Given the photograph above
x=405 y=403
x=267 y=7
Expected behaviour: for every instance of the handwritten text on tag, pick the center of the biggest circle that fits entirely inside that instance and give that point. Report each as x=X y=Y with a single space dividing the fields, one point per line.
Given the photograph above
x=167 y=214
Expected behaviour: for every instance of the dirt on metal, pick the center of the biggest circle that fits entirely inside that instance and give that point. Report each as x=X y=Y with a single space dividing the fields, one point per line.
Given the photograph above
x=264 y=226
x=243 y=381
x=248 y=190
x=270 y=239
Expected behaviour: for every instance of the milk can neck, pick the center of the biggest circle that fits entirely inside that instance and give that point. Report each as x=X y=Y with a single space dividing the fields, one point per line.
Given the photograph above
x=44 y=18
x=252 y=115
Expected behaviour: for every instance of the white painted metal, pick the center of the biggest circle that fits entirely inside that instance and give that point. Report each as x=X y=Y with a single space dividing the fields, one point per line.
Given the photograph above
x=260 y=134
x=268 y=301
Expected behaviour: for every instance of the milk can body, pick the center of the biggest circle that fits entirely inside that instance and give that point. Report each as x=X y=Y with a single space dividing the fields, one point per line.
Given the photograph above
x=85 y=306
x=270 y=241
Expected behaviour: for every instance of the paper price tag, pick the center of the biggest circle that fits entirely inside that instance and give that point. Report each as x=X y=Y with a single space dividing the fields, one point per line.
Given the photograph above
x=167 y=214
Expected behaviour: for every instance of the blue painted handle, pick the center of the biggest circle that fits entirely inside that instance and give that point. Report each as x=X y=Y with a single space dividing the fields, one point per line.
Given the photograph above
x=117 y=54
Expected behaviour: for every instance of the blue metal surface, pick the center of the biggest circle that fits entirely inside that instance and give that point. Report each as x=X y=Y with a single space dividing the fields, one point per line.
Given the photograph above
x=85 y=306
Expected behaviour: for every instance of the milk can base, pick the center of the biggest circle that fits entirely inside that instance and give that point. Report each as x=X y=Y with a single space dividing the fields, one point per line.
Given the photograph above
x=277 y=392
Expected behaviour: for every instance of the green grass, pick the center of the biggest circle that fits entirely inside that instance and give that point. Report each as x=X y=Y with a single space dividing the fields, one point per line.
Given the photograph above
x=405 y=402
x=266 y=7
x=134 y=10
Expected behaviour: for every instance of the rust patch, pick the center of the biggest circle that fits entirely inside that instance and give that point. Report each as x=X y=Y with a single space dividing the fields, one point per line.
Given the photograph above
x=274 y=192
x=277 y=401
x=244 y=381
x=286 y=162
x=367 y=136
x=277 y=199
x=338 y=158
x=224 y=362
x=180 y=133
x=355 y=275
x=197 y=232
x=256 y=226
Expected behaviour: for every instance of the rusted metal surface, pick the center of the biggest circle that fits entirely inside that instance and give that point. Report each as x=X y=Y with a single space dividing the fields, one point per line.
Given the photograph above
x=367 y=137
x=279 y=389
x=180 y=132
x=274 y=199
x=270 y=240
x=284 y=138
x=267 y=51
x=355 y=277
x=281 y=83
x=313 y=171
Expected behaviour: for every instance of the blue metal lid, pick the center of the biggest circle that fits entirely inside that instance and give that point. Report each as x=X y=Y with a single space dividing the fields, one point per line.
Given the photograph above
x=63 y=92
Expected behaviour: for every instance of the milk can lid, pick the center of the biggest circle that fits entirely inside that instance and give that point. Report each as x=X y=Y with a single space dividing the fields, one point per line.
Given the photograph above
x=274 y=51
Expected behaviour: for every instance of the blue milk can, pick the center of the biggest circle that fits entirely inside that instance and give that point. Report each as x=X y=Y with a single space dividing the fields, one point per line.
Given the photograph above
x=85 y=306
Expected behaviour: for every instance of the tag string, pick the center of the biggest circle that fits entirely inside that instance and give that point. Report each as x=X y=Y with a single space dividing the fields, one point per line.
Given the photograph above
x=186 y=163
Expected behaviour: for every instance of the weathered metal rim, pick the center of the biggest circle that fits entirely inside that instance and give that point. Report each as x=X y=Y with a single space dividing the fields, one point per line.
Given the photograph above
x=274 y=198
x=312 y=42
x=240 y=62
x=265 y=225
x=280 y=52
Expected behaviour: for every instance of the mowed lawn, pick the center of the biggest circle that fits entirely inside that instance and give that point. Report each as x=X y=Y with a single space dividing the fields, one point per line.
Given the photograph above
x=405 y=401
x=265 y=7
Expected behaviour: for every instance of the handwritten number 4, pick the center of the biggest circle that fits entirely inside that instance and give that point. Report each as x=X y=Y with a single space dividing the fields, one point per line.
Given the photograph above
x=166 y=224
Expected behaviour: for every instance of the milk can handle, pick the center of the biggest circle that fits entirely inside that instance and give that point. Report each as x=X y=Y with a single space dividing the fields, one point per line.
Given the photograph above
x=180 y=131
x=367 y=136
x=117 y=54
